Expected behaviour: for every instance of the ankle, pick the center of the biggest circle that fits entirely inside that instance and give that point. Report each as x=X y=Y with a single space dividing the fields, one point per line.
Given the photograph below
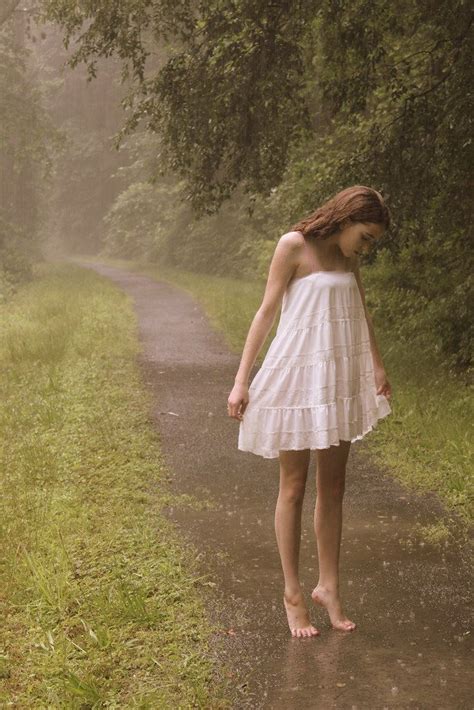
x=292 y=594
x=329 y=588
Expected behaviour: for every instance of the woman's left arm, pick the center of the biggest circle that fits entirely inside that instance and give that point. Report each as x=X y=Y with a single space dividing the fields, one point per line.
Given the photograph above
x=383 y=385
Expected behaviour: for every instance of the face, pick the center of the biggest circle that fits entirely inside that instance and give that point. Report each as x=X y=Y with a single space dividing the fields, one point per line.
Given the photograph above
x=359 y=237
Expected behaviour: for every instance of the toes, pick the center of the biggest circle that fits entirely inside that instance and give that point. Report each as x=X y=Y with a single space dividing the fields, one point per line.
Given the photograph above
x=345 y=626
x=305 y=633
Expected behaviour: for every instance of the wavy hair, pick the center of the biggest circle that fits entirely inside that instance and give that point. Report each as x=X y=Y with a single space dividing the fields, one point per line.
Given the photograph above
x=356 y=204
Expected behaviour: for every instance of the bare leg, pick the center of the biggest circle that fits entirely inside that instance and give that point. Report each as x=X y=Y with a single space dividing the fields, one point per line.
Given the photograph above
x=331 y=474
x=293 y=475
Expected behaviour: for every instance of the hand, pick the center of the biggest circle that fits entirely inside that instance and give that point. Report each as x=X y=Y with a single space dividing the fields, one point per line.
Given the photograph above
x=381 y=382
x=238 y=401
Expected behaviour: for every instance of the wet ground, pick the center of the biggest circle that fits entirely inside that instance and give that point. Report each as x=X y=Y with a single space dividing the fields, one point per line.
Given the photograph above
x=411 y=600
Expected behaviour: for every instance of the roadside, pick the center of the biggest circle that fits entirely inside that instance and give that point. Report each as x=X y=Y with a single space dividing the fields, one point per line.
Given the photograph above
x=101 y=603
x=410 y=597
x=426 y=444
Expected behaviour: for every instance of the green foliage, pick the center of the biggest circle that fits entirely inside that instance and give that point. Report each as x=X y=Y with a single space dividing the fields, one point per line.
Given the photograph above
x=215 y=97
x=281 y=106
x=27 y=141
x=425 y=302
x=101 y=602
x=145 y=220
x=16 y=258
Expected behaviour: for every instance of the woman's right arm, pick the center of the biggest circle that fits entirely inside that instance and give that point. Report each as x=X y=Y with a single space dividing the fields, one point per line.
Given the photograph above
x=283 y=265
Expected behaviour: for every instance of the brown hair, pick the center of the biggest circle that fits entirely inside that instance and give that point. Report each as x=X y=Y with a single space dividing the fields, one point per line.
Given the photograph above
x=356 y=204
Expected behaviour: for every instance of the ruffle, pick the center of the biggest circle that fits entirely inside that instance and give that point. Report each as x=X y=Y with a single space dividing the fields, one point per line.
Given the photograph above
x=317 y=381
x=267 y=431
x=316 y=385
x=332 y=315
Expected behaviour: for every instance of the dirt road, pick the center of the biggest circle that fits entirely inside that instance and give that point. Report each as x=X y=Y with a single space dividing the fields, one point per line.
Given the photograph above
x=410 y=600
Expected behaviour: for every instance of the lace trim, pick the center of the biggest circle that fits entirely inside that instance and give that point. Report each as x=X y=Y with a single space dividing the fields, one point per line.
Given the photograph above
x=332 y=350
x=273 y=452
x=355 y=313
x=318 y=324
x=320 y=430
x=291 y=390
x=310 y=406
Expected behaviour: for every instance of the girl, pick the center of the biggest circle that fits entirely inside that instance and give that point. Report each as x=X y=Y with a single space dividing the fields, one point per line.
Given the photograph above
x=322 y=384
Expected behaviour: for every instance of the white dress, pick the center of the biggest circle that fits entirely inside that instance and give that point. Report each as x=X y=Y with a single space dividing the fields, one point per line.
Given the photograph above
x=316 y=385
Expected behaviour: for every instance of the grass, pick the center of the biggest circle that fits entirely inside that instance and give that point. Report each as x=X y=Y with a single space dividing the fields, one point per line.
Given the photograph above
x=101 y=603
x=426 y=443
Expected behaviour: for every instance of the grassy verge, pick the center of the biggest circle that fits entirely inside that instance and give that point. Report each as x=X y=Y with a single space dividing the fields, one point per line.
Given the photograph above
x=101 y=604
x=427 y=441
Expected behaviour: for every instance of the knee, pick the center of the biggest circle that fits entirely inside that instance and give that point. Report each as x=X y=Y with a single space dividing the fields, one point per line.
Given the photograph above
x=332 y=488
x=292 y=493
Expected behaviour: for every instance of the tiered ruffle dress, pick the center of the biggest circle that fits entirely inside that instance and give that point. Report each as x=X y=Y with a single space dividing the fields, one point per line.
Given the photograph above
x=316 y=385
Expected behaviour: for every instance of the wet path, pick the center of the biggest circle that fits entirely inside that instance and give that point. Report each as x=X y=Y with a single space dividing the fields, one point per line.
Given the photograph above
x=410 y=600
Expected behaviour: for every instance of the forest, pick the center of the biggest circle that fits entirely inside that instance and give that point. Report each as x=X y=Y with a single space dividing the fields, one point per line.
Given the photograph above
x=194 y=134
x=152 y=154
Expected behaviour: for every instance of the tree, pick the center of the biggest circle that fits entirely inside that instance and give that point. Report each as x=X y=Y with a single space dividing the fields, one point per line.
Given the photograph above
x=225 y=101
x=297 y=100
x=27 y=140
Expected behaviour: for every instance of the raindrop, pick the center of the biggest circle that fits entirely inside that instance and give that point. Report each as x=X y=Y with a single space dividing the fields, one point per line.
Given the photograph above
x=394 y=690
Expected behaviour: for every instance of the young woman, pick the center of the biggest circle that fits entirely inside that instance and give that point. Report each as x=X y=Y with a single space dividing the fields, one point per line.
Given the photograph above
x=321 y=386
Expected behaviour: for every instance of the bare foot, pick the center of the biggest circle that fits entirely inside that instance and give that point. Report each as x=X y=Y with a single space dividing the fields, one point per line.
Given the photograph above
x=298 y=619
x=331 y=602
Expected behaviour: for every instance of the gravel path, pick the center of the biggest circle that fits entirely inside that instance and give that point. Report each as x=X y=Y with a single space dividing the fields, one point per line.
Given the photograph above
x=410 y=600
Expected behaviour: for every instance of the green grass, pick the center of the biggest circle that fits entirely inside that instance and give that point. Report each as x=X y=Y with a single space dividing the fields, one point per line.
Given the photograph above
x=101 y=603
x=426 y=443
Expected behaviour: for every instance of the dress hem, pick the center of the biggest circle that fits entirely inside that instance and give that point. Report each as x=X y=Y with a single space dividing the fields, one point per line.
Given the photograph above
x=270 y=454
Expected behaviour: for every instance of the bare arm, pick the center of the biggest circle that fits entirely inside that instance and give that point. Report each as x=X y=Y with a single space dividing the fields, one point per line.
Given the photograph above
x=376 y=356
x=383 y=385
x=260 y=327
x=283 y=265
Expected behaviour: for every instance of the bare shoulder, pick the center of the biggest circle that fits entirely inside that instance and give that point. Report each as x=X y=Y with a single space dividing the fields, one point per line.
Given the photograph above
x=282 y=268
x=292 y=241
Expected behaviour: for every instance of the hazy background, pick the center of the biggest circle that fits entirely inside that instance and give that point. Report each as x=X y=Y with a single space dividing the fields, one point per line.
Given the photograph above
x=236 y=121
